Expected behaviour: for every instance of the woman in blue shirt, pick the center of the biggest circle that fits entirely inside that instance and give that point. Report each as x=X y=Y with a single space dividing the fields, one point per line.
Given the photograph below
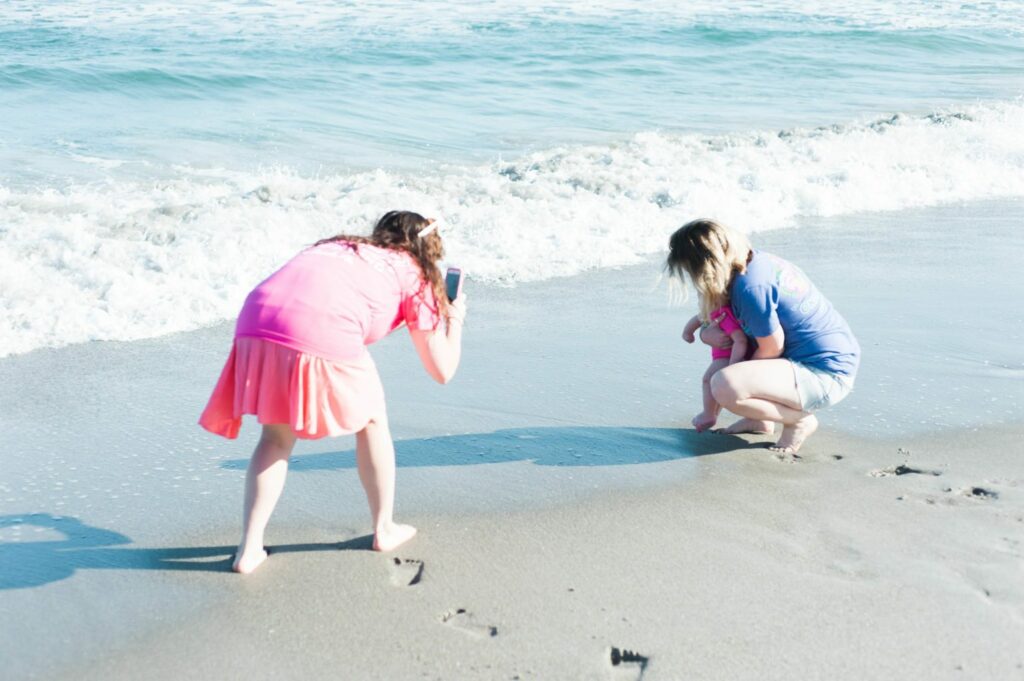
x=806 y=356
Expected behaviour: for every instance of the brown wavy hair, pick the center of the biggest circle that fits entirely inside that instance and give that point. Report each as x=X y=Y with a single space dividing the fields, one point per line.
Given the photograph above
x=399 y=230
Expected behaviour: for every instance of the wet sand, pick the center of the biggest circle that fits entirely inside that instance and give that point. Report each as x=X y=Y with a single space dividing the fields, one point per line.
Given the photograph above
x=563 y=502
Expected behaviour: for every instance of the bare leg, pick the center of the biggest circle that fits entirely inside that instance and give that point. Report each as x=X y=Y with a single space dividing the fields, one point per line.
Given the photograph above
x=765 y=390
x=707 y=418
x=264 y=482
x=375 y=454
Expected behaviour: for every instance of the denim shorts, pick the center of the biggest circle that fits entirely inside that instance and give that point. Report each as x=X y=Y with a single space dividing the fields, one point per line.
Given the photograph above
x=818 y=388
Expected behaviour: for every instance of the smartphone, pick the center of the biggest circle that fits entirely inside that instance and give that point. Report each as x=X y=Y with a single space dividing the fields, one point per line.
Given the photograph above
x=453 y=282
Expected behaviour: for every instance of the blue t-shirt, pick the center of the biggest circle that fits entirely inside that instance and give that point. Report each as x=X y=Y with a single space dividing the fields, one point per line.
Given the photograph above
x=774 y=292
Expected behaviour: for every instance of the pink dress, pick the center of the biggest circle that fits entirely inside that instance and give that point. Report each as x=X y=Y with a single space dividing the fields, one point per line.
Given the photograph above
x=299 y=355
x=728 y=324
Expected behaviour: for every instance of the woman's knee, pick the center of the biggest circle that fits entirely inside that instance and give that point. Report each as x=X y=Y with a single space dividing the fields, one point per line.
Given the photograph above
x=724 y=388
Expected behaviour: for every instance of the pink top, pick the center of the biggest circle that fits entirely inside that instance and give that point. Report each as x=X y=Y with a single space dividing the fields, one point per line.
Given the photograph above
x=333 y=300
x=729 y=324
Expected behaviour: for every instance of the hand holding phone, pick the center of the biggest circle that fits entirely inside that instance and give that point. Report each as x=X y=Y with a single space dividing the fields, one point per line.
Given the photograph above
x=453 y=283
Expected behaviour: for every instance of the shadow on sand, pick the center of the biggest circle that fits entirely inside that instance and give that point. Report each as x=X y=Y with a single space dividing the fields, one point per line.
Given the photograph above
x=26 y=564
x=560 y=446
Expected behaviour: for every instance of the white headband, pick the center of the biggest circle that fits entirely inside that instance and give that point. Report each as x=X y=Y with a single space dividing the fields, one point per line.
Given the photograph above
x=429 y=228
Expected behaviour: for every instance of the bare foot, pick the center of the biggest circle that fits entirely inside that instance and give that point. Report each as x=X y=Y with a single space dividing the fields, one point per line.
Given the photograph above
x=247 y=561
x=793 y=436
x=703 y=421
x=392 y=536
x=748 y=426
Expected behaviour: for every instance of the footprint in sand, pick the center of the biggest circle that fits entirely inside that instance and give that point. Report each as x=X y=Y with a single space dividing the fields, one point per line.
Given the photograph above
x=465 y=621
x=902 y=469
x=978 y=493
x=627 y=664
x=787 y=457
x=405 y=572
x=793 y=457
x=959 y=496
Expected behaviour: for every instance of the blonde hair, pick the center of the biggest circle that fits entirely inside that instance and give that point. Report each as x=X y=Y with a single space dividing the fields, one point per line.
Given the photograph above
x=709 y=254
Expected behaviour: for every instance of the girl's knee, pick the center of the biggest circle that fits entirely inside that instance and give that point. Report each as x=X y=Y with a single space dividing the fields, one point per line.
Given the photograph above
x=279 y=435
x=715 y=367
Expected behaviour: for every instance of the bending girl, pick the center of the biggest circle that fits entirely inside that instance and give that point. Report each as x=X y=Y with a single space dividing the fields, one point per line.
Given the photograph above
x=300 y=364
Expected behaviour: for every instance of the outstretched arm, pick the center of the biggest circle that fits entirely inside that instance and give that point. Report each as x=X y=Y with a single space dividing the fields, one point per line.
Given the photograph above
x=691 y=328
x=441 y=349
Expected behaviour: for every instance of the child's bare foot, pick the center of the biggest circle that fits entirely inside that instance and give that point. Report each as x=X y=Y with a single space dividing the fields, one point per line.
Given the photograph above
x=748 y=426
x=392 y=536
x=703 y=421
x=247 y=561
x=793 y=436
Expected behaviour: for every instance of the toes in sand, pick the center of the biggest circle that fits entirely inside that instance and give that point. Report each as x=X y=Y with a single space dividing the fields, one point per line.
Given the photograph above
x=794 y=435
x=703 y=421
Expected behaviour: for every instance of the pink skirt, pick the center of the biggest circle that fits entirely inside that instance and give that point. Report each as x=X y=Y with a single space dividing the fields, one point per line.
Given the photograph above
x=316 y=397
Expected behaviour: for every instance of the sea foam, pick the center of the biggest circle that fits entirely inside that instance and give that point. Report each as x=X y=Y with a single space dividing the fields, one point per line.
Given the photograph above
x=124 y=260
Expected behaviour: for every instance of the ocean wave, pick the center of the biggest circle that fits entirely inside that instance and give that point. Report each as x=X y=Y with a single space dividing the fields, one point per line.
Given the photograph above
x=123 y=260
x=88 y=79
x=285 y=17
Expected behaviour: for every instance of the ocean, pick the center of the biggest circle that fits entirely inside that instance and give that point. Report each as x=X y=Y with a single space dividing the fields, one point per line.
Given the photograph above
x=157 y=159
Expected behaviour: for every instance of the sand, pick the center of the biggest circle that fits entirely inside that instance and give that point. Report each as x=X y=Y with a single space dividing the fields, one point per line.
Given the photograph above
x=565 y=507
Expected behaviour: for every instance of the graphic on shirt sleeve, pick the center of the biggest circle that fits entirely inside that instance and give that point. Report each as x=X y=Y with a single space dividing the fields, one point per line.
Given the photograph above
x=791 y=281
x=794 y=284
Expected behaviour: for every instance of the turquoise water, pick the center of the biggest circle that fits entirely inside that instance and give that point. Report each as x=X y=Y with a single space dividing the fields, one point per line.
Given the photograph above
x=156 y=158
x=248 y=84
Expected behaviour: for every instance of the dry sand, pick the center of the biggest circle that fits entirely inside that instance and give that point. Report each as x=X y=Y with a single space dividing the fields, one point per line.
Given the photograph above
x=840 y=564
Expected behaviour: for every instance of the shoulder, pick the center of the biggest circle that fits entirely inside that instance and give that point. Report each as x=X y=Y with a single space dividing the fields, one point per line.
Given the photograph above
x=746 y=293
x=764 y=270
x=386 y=260
x=410 y=276
x=757 y=275
x=760 y=268
x=404 y=261
x=336 y=249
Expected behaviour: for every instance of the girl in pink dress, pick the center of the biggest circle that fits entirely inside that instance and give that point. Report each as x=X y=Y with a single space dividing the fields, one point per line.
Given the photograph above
x=299 y=362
